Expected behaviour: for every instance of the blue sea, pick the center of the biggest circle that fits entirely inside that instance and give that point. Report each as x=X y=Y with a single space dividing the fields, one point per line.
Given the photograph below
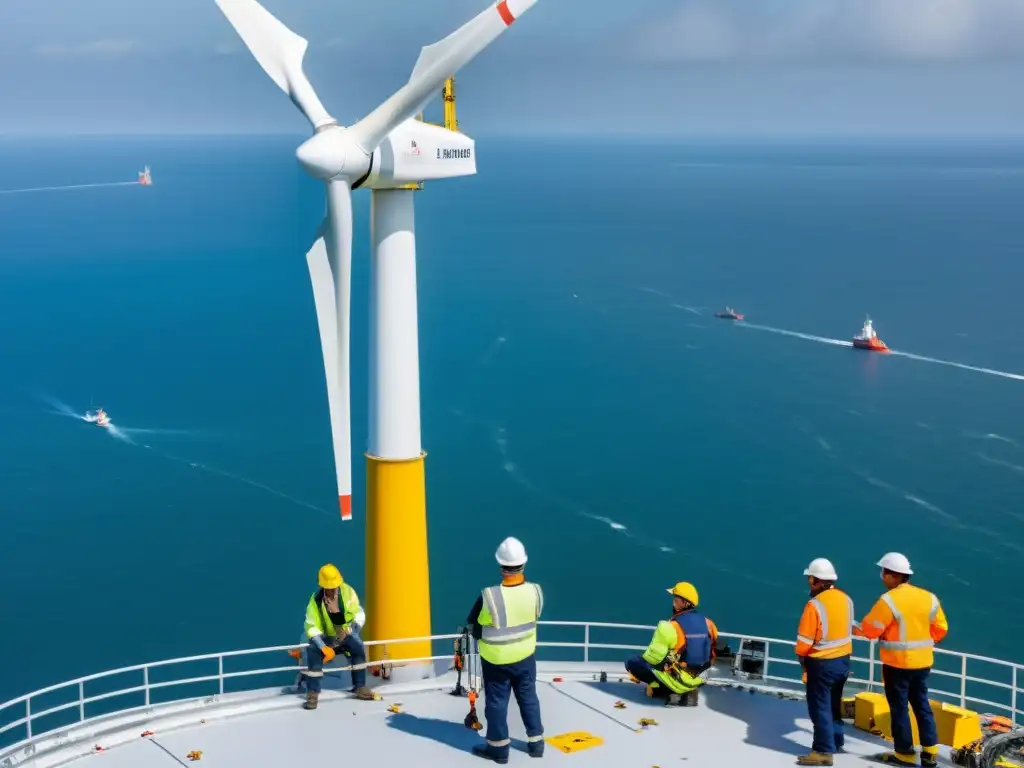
x=577 y=391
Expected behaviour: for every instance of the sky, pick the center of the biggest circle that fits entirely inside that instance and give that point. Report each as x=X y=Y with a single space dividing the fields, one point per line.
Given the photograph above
x=571 y=67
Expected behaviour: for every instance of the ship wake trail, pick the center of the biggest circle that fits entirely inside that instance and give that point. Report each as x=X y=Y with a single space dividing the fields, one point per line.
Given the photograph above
x=124 y=434
x=499 y=436
x=492 y=350
x=796 y=334
x=69 y=186
x=61 y=408
x=894 y=352
x=239 y=479
x=962 y=366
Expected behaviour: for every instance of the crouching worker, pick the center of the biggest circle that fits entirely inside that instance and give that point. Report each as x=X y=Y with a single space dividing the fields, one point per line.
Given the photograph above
x=682 y=648
x=333 y=620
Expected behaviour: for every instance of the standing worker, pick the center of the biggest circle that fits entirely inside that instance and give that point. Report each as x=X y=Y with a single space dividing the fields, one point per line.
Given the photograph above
x=504 y=621
x=682 y=648
x=333 y=619
x=824 y=643
x=907 y=621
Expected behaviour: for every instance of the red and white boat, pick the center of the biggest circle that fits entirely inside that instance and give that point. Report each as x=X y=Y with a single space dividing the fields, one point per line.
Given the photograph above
x=98 y=417
x=144 y=178
x=729 y=314
x=868 y=339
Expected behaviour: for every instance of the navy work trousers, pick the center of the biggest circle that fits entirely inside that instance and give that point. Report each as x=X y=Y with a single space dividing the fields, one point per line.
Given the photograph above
x=903 y=687
x=825 y=681
x=500 y=681
x=351 y=646
x=641 y=670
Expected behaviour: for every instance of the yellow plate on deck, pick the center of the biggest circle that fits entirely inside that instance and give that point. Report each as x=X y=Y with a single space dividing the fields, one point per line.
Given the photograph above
x=575 y=741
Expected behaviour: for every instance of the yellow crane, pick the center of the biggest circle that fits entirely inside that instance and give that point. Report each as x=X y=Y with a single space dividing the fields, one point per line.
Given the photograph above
x=451 y=122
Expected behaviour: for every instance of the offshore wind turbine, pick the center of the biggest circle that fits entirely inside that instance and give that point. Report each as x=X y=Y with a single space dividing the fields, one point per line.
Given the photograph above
x=386 y=151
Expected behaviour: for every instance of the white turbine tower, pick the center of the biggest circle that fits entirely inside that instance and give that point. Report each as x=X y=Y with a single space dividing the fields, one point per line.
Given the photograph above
x=385 y=151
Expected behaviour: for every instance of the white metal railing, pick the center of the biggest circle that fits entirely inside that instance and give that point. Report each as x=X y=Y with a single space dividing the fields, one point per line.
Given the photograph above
x=753 y=658
x=759 y=649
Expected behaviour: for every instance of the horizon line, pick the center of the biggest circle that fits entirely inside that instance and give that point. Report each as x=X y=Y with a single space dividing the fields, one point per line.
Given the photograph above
x=526 y=135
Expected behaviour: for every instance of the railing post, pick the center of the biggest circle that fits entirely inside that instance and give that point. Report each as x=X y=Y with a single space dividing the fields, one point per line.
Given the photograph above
x=586 y=643
x=871 y=665
x=145 y=682
x=28 y=716
x=1013 y=697
x=81 y=701
x=220 y=674
x=767 y=655
x=963 y=681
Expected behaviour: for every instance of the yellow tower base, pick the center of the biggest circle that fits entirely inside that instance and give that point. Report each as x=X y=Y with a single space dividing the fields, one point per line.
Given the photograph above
x=397 y=572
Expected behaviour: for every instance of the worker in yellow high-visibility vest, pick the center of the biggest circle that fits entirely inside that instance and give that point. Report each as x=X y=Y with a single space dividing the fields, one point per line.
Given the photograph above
x=824 y=643
x=333 y=619
x=907 y=621
x=504 y=622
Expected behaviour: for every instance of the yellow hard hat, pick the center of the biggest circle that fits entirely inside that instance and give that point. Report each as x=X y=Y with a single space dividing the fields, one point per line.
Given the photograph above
x=685 y=590
x=330 y=577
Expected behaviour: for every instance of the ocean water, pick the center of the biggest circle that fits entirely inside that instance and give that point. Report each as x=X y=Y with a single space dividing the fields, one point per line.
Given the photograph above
x=577 y=391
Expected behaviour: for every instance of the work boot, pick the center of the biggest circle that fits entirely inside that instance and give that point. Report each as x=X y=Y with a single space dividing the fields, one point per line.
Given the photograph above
x=929 y=757
x=535 y=748
x=896 y=758
x=691 y=699
x=814 y=758
x=487 y=752
x=312 y=698
x=363 y=693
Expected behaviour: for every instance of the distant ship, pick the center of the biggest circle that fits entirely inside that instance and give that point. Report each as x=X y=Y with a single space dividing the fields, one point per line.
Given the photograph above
x=868 y=339
x=729 y=314
x=98 y=417
x=144 y=178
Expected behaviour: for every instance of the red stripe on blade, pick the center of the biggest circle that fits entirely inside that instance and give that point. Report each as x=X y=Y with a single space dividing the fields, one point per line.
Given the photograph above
x=505 y=13
x=345 y=502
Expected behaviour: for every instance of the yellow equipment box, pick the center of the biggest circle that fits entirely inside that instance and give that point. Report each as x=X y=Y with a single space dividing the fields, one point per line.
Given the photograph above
x=956 y=726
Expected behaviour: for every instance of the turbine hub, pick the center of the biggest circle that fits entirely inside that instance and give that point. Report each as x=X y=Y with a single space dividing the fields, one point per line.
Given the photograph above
x=329 y=153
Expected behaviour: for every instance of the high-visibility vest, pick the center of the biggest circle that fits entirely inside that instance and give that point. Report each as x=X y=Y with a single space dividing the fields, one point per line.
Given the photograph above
x=318 y=622
x=911 y=621
x=508 y=622
x=826 y=626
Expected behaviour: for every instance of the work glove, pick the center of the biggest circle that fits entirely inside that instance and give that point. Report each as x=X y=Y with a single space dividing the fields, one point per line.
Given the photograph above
x=328 y=654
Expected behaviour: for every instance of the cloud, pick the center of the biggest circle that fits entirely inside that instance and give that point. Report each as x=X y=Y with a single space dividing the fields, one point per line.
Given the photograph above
x=95 y=48
x=831 y=30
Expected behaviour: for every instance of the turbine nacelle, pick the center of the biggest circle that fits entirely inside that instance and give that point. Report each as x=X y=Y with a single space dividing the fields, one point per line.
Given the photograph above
x=331 y=152
x=417 y=151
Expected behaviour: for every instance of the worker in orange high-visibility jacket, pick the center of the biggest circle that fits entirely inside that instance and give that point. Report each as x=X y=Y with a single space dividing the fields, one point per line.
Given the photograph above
x=907 y=621
x=824 y=643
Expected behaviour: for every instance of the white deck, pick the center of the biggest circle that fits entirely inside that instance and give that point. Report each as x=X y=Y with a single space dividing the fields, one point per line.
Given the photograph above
x=269 y=728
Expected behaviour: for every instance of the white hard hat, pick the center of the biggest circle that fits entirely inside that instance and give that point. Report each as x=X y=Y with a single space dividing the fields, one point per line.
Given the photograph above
x=820 y=568
x=895 y=562
x=511 y=553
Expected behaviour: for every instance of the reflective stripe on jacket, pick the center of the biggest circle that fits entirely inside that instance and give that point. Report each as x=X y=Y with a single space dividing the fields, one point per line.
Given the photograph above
x=508 y=622
x=907 y=622
x=826 y=626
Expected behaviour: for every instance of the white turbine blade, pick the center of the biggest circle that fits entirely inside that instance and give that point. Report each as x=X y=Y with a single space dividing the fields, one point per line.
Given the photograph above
x=330 y=266
x=436 y=64
x=279 y=51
